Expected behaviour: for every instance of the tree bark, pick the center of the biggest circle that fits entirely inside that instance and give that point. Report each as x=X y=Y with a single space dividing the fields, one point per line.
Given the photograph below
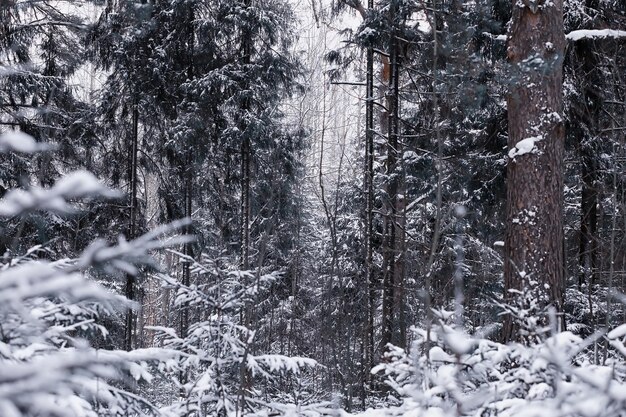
x=534 y=208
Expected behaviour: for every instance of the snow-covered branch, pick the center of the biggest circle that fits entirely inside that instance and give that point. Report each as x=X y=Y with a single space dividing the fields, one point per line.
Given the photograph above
x=577 y=35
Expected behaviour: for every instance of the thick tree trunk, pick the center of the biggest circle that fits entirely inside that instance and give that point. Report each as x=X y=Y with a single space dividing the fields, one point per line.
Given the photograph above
x=534 y=232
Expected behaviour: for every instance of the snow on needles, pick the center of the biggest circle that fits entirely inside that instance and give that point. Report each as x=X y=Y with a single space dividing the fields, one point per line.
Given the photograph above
x=79 y=184
x=577 y=35
x=16 y=141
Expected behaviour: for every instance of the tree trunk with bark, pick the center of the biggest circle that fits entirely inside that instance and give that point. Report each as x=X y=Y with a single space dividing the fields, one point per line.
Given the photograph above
x=534 y=226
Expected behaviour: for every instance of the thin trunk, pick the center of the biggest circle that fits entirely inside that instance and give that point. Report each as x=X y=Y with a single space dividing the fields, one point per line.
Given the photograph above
x=331 y=220
x=392 y=186
x=368 y=336
x=246 y=50
x=610 y=289
x=187 y=194
x=439 y=190
x=294 y=280
x=130 y=327
x=459 y=297
x=589 y=220
x=588 y=247
x=245 y=375
x=399 y=295
x=434 y=245
x=398 y=197
x=330 y=215
x=187 y=250
x=591 y=105
x=245 y=202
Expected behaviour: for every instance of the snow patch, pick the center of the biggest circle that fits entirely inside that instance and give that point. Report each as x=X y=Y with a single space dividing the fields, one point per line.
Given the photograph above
x=495 y=37
x=525 y=146
x=577 y=35
x=459 y=342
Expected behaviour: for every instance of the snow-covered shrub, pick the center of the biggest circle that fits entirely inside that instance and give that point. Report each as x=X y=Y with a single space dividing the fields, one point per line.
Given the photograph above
x=47 y=368
x=449 y=373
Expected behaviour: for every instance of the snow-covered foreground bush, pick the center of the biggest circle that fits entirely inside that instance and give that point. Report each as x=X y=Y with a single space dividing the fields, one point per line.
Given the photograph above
x=448 y=373
x=49 y=307
x=48 y=310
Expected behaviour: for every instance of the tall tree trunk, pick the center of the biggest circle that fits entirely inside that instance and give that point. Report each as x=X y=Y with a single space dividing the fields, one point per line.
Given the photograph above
x=398 y=196
x=188 y=180
x=244 y=373
x=246 y=51
x=368 y=334
x=391 y=211
x=130 y=326
x=534 y=207
x=589 y=113
x=368 y=329
x=399 y=338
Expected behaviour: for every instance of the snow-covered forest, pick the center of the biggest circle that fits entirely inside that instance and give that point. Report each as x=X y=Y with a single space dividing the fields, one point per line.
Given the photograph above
x=312 y=208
